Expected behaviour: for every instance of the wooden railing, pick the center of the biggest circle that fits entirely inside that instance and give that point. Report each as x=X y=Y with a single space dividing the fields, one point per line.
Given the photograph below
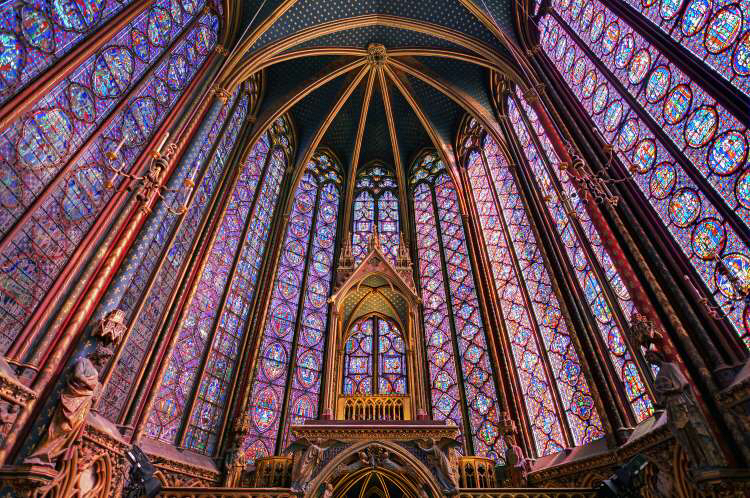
x=373 y=407
x=273 y=472
x=476 y=472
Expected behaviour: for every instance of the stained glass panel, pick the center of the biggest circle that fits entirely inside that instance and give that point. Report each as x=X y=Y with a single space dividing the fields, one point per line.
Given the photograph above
x=670 y=189
x=38 y=252
x=376 y=201
x=442 y=238
x=293 y=338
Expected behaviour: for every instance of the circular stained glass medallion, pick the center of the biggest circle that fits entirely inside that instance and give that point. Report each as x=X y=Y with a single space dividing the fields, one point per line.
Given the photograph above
x=307 y=367
x=742 y=189
x=177 y=73
x=11 y=60
x=82 y=103
x=316 y=294
x=327 y=213
x=579 y=70
x=588 y=16
x=113 y=70
x=723 y=29
x=601 y=96
x=708 y=239
x=299 y=225
x=624 y=51
x=265 y=409
x=159 y=26
x=288 y=284
x=628 y=135
x=669 y=8
x=139 y=120
x=321 y=263
x=613 y=116
x=611 y=37
x=140 y=45
x=562 y=44
x=639 y=66
x=741 y=57
x=663 y=180
x=677 y=104
x=294 y=252
x=161 y=91
x=37 y=29
x=727 y=153
x=684 y=207
x=733 y=275
x=83 y=193
x=76 y=16
x=569 y=57
x=597 y=26
x=658 y=84
x=45 y=138
x=648 y=3
x=696 y=15
x=274 y=359
x=205 y=40
x=701 y=126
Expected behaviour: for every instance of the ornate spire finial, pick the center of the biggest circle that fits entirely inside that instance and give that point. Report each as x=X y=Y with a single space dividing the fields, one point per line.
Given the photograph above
x=374 y=241
x=403 y=260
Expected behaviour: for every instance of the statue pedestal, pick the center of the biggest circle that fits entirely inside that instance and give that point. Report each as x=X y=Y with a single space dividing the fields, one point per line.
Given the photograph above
x=25 y=480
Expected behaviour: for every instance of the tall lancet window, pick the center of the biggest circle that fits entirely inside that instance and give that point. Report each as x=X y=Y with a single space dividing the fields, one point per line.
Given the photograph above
x=460 y=369
x=143 y=287
x=375 y=204
x=684 y=142
x=558 y=401
x=605 y=293
x=189 y=406
x=287 y=379
x=374 y=358
x=53 y=191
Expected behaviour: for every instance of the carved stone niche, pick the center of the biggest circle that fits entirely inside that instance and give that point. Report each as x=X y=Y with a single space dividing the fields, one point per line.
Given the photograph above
x=96 y=467
x=14 y=397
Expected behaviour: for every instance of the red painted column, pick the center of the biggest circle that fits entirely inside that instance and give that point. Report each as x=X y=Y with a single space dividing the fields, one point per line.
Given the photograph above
x=637 y=292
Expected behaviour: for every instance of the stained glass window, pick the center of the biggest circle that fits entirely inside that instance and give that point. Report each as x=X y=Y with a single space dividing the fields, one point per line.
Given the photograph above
x=53 y=155
x=580 y=240
x=375 y=202
x=37 y=34
x=374 y=358
x=545 y=357
x=215 y=320
x=289 y=367
x=459 y=359
x=166 y=237
x=686 y=153
x=716 y=31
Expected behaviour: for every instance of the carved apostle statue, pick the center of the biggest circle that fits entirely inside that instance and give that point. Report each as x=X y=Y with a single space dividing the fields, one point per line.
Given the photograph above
x=305 y=462
x=443 y=455
x=75 y=403
x=684 y=417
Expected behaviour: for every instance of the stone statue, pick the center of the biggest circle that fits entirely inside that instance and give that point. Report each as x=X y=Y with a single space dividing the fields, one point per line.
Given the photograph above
x=305 y=462
x=327 y=491
x=69 y=418
x=684 y=417
x=445 y=457
x=234 y=462
x=517 y=464
x=8 y=415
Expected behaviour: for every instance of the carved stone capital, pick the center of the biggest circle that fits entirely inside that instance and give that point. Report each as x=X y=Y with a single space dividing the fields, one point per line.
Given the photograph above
x=222 y=93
